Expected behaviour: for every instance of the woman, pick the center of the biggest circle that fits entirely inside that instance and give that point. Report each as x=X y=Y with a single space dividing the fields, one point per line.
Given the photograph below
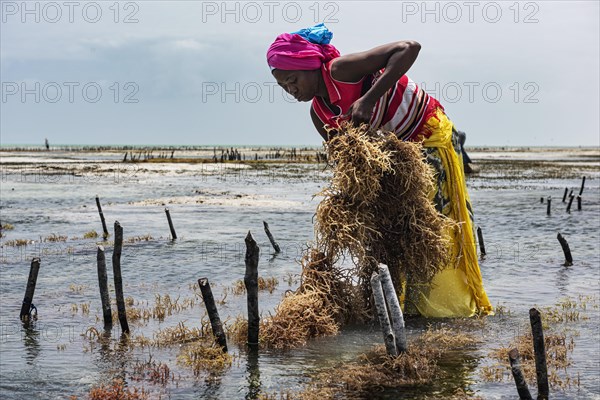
x=371 y=87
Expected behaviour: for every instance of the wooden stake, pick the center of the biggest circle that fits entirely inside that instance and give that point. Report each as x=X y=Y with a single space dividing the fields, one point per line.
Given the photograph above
x=171 y=227
x=103 y=284
x=394 y=308
x=578 y=203
x=251 y=283
x=582 y=185
x=481 y=244
x=565 y=195
x=541 y=200
x=515 y=366
x=116 y=261
x=213 y=314
x=382 y=313
x=566 y=250
x=271 y=239
x=104 y=228
x=570 y=203
x=548 y=206
x=30 y=289
x=541 y=370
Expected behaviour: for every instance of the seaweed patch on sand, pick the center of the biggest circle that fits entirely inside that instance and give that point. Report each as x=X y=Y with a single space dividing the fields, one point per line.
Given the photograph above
x=559 y=343
x=375 y=371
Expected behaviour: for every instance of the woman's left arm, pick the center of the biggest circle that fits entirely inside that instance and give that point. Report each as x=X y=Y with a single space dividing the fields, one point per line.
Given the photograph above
x=396 y=58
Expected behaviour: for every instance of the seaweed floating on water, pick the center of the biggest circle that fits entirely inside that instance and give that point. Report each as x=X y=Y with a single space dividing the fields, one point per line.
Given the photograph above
x=376 y=371
x=116 y=391
x=205 y=356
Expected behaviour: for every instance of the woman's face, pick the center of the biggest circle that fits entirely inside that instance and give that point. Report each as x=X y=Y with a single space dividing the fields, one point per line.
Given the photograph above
x=303 y=85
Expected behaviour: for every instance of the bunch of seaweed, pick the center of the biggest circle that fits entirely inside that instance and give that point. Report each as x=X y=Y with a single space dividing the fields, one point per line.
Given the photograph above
x=377 y=208
x=321 y=304
x=204 y=356
x=117 y=390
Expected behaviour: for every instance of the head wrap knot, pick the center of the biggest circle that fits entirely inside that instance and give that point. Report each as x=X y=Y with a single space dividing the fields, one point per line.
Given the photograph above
x=306 y=49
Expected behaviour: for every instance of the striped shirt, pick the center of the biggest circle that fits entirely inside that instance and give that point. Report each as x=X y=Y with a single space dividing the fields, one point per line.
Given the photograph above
x=403 y=109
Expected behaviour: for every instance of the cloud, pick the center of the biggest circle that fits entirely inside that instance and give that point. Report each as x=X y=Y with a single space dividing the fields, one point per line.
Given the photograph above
x=189 y=44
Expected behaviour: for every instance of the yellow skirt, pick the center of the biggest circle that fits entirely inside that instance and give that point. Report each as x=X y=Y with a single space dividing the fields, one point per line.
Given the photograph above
x=456 y=291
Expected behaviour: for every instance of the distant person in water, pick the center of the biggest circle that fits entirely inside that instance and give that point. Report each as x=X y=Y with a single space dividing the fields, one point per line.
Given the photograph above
x=467 y=162
x=371 y=87
x=47 y=144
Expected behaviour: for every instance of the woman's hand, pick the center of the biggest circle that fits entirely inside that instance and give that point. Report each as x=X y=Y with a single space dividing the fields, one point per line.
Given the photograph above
x=360 y=112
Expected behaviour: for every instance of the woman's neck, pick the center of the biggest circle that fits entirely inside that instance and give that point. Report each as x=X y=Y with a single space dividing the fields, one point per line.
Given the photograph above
x=322 y=88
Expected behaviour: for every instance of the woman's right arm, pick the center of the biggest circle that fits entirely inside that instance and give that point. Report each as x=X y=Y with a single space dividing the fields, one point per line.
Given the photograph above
x=320 y=126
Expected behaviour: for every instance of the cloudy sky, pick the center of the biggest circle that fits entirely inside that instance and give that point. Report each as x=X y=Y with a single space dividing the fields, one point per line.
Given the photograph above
x=194 y=72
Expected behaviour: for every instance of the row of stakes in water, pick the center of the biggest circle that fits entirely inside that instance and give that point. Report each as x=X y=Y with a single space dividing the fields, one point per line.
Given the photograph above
x=571 y=196
x=566 y=195
x=29 y=311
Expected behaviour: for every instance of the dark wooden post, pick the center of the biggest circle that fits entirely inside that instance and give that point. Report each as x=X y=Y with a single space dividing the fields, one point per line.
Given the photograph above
x=481 y=244
x=251 y=283
x=104 y=228
x=271 y=239
x=382 y=314
x=30 y=289
x=565 y=195
x=116 y=260
x=541 y=370
x=578 y=203
x=548 y=206
x=515 y=366
x=582 y=185
x=566 y=250
x=541 y=200
x=570 y=203
x=171 y=227
x=103 y=284
x=213 y=314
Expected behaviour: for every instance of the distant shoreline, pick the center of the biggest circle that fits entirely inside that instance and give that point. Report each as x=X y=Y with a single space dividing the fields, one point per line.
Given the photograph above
x=94 y=148
x=121 y=148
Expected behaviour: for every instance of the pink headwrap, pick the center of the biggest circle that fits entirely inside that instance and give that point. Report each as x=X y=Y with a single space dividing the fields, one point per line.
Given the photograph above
x=293 y=52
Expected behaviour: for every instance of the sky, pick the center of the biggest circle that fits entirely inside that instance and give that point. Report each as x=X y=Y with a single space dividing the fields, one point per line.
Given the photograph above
x=194 y=72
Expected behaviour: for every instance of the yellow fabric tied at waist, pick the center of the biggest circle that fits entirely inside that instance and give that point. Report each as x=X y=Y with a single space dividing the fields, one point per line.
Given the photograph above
x=457 y=290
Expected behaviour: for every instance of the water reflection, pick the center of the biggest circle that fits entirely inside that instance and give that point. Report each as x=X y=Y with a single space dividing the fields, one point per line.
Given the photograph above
x=253 y=375
x=562 y=281
x=104 y=351
x=460 y=366
x=31 y=341
x=210 y=388
x=112 y=356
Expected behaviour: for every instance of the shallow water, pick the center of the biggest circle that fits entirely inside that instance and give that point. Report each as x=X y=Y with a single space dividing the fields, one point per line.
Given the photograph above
x=213 y=206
